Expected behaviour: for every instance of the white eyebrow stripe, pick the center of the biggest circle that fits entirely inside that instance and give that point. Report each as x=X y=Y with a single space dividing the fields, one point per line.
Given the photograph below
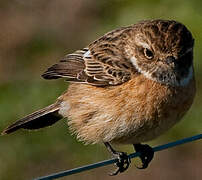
x=140 y=42
x=144 y=45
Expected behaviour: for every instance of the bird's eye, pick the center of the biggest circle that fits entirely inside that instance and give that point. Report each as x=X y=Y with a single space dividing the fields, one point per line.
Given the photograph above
x=148 y=53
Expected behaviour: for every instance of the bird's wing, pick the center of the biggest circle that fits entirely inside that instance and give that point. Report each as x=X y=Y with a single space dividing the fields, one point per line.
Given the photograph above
x=104 y=62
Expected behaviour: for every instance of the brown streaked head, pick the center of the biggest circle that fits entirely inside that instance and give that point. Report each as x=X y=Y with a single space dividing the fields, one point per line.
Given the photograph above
x=162 y=50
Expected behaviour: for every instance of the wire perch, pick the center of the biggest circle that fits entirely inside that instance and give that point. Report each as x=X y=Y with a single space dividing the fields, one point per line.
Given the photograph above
x=114 y=160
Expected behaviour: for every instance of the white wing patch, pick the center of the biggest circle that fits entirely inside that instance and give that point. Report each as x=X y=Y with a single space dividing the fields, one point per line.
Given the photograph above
x=87 y=54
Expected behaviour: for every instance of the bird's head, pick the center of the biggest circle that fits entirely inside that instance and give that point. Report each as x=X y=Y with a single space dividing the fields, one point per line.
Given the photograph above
x=162 y=50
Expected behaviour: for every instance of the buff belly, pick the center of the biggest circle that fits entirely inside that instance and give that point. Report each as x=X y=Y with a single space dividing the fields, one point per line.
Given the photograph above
x=130 y=113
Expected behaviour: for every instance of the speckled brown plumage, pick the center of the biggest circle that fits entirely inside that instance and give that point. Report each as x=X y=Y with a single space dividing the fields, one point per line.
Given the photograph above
x=129 y=86
x=109 y=60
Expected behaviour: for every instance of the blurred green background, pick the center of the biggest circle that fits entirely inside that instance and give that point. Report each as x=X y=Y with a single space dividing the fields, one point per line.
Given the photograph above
x=35 y=34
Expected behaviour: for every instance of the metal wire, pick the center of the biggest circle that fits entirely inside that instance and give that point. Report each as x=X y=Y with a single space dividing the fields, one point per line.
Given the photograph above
x=114 y=160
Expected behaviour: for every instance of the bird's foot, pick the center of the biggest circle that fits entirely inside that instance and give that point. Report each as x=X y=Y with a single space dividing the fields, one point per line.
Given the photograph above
x=146 y=154
x=122 y=164
x=123 y=160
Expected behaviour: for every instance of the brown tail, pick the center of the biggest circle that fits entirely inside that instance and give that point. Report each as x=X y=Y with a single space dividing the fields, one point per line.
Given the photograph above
x=39 y=119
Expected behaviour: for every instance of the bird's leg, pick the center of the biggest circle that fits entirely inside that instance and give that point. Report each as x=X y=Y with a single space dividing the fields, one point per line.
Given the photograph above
x=123 y=159
x=146 y=154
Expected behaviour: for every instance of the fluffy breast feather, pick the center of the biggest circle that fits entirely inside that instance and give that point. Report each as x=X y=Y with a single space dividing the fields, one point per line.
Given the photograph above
x=136 y=111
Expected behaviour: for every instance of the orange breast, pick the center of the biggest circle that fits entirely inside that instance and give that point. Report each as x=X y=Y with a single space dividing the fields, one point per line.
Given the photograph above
x=136 y=111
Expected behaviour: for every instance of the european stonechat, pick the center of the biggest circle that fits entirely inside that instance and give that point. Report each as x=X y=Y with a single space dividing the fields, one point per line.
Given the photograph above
x=129 y=86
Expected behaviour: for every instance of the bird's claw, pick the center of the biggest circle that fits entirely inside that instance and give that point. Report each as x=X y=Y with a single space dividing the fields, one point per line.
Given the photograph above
x=146 y=154
x=122 y=164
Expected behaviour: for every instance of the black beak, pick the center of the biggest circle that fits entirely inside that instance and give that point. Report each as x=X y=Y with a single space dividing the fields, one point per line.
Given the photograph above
x=170 y=59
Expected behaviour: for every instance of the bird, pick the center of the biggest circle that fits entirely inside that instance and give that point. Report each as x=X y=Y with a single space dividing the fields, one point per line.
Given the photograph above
x=127 y=87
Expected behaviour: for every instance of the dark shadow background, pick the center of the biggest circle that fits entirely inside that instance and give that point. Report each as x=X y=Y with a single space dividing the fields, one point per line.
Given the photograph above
x=35 y=34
